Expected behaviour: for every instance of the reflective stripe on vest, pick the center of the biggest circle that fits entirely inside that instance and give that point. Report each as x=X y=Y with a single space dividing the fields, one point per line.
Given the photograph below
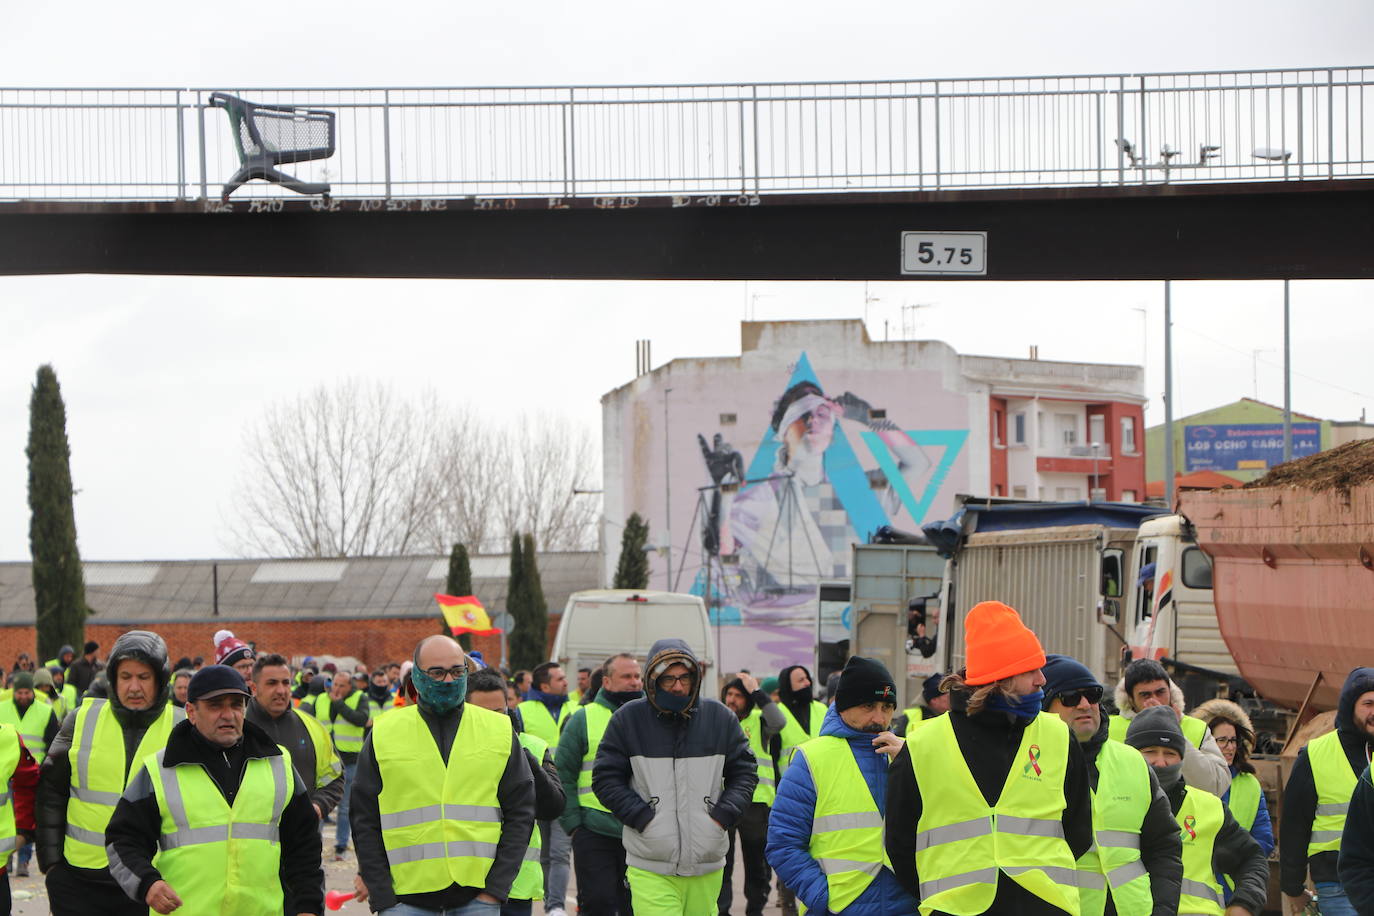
x=540 y=722
x=846 y=827
x=223 y=859
x=99 y=777
x=1120 y=804
x=9 y=760
x=597 y=716
x=32 y=725
x=328 y=766
x=529 y=881
x=1335 y=782
x=440 y=832
x=1199 y=818
x=793 y=735
x=347 y=736
x=766 y=790
x=1022 y=835
x=1244 y=799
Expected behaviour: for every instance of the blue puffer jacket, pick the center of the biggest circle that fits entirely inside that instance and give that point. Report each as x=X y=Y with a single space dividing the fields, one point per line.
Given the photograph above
x=789 y=831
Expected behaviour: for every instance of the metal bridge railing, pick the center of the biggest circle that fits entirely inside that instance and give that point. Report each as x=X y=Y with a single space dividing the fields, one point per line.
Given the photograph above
x=733 y=139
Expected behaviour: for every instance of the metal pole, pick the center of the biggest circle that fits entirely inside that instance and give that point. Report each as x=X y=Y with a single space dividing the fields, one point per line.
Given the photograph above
x=214 y=587
x=386 y=139
x=200 y=135
x=1168 y=398
x=1287 y=383
x=667 y=498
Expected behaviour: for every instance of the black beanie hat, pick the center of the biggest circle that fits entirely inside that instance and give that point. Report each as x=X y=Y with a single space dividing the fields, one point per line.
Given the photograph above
x=91 y=647
x=1156 y=727
x=930 y=687
x=1142 y=671
x=864 y=680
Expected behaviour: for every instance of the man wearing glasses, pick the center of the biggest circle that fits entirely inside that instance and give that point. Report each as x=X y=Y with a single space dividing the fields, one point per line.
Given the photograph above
x=443 y=801
x=1144 y=684
x=677 y=771
x=1136 y=863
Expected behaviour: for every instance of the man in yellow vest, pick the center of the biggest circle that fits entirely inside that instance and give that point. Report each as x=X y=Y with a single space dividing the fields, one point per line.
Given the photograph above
x=1144 y=684
x=312 y=752
x=346 y=714
x=218 y=821
x=30 y=711
x=443 y=801
x=1134 y=868
x=825 y=835
x=544 y=711
x=63 y=689
x=989 y=807
x=1213 y=842
x=1318 y=793
x=762 y=721
x=677 y=771
x=487 y=689
x=598 y=852
x=99 y=748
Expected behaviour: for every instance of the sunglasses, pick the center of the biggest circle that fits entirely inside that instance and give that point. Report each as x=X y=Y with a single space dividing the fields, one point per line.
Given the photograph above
x=1072 y=698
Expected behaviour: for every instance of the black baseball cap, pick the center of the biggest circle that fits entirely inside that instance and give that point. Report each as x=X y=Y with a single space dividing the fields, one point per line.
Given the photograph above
x=213 y=681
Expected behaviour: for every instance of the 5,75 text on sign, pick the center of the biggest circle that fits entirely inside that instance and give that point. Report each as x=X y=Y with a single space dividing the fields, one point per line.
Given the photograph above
x=937 y=253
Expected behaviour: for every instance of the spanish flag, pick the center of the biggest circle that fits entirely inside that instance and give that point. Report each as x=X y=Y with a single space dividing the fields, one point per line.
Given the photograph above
x=465 y=615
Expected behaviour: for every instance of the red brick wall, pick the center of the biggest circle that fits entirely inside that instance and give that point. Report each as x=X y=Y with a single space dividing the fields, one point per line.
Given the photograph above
x=373 y=641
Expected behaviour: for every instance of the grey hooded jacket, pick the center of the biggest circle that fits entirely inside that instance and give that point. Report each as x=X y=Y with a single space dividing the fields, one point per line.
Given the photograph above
x=676 y=780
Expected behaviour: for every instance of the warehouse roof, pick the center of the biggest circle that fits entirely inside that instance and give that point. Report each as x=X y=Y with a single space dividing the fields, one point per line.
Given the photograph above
x=148 y=592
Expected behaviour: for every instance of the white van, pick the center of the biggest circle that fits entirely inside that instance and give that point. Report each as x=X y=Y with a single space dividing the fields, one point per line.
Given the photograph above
x=599 y=623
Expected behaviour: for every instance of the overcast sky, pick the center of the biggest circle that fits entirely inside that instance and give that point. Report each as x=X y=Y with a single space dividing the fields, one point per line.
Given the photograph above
x=161 y=374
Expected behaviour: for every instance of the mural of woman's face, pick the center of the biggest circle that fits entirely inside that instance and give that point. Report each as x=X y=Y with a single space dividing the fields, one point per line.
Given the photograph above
x=813 y=430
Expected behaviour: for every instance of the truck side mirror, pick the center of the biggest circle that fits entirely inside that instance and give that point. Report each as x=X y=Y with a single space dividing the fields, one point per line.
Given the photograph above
x=1109 y=588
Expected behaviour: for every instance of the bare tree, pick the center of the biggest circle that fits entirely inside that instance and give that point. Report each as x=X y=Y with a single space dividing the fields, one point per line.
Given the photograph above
x=340 y=472
x=553 y=457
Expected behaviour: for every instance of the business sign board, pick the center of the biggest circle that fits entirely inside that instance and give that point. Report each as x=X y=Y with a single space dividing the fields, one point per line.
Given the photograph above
x=1245 y=446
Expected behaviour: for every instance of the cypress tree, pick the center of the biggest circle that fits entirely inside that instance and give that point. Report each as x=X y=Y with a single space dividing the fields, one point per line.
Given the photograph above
x=632 y=571
x=59 y=588
x=517 y=605
x=459 y=584
x=538 y=612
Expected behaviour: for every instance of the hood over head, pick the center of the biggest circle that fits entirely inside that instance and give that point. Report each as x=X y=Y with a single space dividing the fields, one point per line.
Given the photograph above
x=1357 y=683
x=1212 y=710
x=787 y=695
x=738 y=684
x=663 y=655
x=1126 y=706
x=141 y=646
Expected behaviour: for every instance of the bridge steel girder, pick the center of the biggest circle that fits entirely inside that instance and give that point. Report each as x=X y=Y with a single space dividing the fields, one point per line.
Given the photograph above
x=1296 y=230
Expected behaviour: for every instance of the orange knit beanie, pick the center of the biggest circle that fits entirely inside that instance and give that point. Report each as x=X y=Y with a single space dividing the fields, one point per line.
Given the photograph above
x=997 y=644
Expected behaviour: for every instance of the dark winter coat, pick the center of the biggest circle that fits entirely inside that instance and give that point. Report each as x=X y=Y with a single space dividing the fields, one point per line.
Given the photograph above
x=1356 y=868
x=989 y=742
x=1300 y=794
x=132 y=835
x=789 y=830
x=1236 y=855
x=677 y=781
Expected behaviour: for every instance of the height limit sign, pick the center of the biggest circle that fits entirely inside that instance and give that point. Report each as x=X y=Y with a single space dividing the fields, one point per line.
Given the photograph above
x=945 y=253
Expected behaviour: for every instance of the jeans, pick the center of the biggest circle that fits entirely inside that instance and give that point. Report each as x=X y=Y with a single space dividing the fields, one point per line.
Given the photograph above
x=25 y=854
x=1332 y=901
x=554 y=858
x=475 y=908
x=342 y=827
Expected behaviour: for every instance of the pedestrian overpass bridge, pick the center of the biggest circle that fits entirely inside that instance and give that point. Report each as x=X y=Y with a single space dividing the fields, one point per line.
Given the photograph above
x=1221 y=175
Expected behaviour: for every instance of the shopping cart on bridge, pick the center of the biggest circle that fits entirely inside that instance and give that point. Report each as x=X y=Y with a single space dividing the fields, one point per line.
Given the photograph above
x=266 y=136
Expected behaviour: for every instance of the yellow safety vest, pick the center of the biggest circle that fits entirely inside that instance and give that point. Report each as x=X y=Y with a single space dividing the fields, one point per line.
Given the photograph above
x=347 y=736
x=440 y=832
x=32 y=725
x=766 y=790
x=9 y=760
x=99 y=777
x=222 y=860
x=962 y=842
x=846 y=827
x=1120 y=804
x=1244 y=799
x=1335 y=782
x=320 y=709
x=793 y=735
x=1194 y=729
x=529 y=881
x=597 y=717
x=915 y=718
x=539 y=721
x=328 y=766
x=1199 y=819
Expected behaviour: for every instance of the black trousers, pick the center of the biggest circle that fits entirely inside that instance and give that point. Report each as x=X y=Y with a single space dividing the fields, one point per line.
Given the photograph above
x=752 y=831
x=85 y=892
x=599 y=863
